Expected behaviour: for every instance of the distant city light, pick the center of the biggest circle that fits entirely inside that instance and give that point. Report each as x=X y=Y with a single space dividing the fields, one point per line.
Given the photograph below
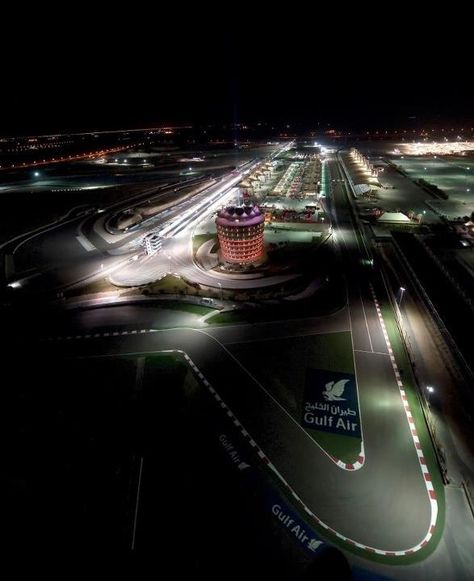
x=434 y=148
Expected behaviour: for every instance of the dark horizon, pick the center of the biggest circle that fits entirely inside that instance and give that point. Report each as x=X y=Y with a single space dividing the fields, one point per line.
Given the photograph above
x=265 y=127
x=395 y=76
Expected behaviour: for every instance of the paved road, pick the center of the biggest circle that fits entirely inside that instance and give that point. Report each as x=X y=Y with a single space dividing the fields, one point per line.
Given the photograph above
x=75 y=251
x=71 y=251
x=452 y=559
x=120 y=318
x=378 y=502
x=378 y=505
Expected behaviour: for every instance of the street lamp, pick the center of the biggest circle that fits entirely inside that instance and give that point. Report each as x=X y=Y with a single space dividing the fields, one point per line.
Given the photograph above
x=429 y=390
x=402 y=290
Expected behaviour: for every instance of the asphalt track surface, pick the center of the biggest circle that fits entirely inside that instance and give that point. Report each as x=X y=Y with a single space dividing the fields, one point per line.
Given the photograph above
x=384 y=504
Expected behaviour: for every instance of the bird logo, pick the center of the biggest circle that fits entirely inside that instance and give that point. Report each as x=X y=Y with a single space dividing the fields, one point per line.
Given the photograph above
x=334 y=391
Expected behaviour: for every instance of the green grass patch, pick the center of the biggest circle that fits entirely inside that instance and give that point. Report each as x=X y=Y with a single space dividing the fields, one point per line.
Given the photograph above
x=165 y=372
x=170 y=284
x=229 y=317
x=284 y=375
x=345 y=448
x=199 y=240
x=97 y=286
x=165 y=361
x=187 y=307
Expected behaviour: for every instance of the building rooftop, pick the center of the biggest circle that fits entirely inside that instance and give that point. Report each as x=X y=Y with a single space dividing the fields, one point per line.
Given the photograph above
x=241 y=215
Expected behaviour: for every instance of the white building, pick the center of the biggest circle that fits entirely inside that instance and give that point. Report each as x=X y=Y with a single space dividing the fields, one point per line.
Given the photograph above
x=152 y=243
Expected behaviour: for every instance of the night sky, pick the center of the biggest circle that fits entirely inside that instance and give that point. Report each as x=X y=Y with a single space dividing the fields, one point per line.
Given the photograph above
x=128 y=69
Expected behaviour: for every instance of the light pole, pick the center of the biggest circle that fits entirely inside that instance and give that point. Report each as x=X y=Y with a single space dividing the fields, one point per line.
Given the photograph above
x=402 y=290
x=429 y=390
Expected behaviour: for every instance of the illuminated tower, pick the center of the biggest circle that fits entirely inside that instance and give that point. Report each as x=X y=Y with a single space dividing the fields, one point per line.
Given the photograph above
x=240 y=233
